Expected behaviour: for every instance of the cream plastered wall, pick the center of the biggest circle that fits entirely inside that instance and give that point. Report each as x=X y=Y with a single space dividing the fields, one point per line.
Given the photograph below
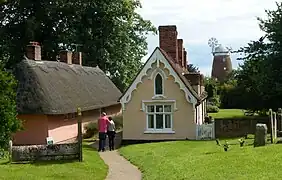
x=134 y=119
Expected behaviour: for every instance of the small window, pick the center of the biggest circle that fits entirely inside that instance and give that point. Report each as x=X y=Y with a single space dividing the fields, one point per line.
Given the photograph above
x=158 y=85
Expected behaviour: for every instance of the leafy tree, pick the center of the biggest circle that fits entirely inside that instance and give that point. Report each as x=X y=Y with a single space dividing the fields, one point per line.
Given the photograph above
x=110 y=33
x=259 y=77
x=211 y=86
x=9 y=123
x=192 y=68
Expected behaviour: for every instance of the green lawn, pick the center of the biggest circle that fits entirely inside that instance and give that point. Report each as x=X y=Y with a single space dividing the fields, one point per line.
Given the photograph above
x=92 y=168
x=228 y=113
x=204 y=160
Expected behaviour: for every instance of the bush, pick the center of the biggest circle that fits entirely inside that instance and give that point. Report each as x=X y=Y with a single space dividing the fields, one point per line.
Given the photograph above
x=9 y=122
x=212 y=109
x=90 y=130
x=214 y=101
x=208 y=119
x=118 y=121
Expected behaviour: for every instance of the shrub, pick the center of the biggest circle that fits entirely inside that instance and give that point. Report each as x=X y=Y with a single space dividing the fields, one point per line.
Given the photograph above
x=90 y=130
x=212 y=109
x=118 y=121
x=208 y=119
x=214 y=101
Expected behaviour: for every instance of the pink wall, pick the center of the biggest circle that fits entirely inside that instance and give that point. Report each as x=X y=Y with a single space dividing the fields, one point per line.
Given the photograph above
x=38 y=127
x=35 y=130
x=64 y=130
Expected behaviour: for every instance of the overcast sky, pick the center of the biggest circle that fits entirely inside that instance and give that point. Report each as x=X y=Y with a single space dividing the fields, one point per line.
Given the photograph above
x=232 y=22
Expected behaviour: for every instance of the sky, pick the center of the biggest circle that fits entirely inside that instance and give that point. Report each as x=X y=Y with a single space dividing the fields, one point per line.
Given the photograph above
x=232 y=22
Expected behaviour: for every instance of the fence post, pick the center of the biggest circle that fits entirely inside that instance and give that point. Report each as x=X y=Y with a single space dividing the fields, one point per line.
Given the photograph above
x=275 y=126
x=79 y=121
x=213 y=130
x=197 y=132
x=271 y=125
x=10 y=150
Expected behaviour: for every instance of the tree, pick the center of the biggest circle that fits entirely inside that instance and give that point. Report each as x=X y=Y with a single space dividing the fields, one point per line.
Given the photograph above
x=192 y=68
x=111 y=33
x=259 y=76
x=9 y=123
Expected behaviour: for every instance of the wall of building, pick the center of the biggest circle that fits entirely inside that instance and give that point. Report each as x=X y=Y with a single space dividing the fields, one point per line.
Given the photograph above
x=134 y=119
x=35 y=130
x=65 y=130
x=38 y=127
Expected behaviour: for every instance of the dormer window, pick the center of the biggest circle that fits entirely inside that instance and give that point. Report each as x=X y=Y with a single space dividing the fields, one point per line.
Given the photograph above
x=158 y=85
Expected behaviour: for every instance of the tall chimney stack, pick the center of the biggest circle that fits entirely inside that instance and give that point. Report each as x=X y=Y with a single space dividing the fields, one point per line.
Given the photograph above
x=180 y=51
x=185 y=59
x=168 y=41
x=65 y=56
x=33 y=51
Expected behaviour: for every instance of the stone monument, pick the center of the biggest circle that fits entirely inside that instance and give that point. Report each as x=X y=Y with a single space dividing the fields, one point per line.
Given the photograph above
x=260 y=135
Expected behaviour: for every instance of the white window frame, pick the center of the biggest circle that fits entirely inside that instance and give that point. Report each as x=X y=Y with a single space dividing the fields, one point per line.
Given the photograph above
x=155 y=130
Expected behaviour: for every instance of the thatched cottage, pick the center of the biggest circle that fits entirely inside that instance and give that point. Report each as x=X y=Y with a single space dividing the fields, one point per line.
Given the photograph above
x=49 y=93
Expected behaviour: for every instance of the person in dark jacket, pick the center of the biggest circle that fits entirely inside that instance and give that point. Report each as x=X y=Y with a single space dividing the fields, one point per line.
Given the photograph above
x=111 y=132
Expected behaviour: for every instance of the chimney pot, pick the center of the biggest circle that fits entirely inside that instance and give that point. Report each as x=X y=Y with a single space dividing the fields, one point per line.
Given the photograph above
x=33 y=51
x=77 y=58
x=66 y=56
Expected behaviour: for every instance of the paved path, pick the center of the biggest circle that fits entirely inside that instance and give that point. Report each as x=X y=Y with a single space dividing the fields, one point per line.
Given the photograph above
x=119 y=168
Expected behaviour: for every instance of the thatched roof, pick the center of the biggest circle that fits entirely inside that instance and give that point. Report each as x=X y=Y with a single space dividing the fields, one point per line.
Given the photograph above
x=50 y=87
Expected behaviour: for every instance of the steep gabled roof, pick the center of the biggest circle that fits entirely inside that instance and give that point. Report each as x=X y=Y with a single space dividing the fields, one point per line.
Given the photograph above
x=50 y=87
x=176 y=71
x=179 y=71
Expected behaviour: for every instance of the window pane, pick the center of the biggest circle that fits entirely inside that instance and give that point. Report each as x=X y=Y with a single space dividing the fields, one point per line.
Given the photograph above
x=159 y=108
x=167 y=121
x=150 y=121
x=158 y=84
x=167 y=108
x=159 y=121
x=150 y=108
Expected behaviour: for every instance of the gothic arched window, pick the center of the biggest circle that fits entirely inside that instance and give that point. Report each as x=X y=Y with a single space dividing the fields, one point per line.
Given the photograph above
x=158 y=85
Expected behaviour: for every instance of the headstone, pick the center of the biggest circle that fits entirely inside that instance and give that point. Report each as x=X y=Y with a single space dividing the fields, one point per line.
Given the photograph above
x=260 y=135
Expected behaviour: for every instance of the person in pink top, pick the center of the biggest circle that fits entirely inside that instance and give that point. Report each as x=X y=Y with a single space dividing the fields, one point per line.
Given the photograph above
x=103 y=126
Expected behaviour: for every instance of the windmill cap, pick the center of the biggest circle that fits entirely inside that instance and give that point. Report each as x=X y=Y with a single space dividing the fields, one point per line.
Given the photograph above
x=220 y=49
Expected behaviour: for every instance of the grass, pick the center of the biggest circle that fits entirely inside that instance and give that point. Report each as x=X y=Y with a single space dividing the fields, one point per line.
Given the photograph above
x=204 y=160
x=92 y=168
x=228 y=113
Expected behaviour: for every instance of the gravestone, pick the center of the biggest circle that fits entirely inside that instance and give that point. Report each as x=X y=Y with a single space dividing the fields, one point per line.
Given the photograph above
x=260 y=135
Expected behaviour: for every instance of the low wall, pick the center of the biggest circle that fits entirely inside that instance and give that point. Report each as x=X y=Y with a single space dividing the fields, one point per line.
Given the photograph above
x=236 y=127
x=45 y=152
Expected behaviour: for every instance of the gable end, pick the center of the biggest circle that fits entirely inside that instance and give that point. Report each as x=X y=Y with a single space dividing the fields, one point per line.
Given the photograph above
x=157 y=57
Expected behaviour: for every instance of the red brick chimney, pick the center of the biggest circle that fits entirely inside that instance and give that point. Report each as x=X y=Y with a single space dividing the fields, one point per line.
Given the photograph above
x=168 y=41
x=66 y=56
x=180 y=52
x=77 y=58
x=33 y=51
